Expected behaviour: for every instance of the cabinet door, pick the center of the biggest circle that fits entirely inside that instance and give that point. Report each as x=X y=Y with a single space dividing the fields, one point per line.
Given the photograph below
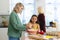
x=4 y=7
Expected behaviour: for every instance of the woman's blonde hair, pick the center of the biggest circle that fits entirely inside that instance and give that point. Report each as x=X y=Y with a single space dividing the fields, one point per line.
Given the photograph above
x=16 y=8
x=40 y=10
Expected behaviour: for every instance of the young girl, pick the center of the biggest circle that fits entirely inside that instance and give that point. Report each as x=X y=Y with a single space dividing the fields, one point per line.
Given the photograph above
x=33 y=26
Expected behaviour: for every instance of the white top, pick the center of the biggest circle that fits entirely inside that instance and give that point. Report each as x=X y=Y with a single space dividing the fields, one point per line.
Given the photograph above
x=20 y=16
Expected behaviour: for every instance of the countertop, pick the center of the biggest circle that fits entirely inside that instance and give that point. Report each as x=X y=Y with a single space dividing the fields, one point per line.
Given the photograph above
x=3 y=26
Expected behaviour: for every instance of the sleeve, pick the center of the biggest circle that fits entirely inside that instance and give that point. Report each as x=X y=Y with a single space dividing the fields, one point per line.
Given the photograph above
x=15 y=24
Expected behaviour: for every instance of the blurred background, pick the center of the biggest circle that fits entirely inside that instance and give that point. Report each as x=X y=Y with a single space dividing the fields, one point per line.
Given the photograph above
x=51 y=9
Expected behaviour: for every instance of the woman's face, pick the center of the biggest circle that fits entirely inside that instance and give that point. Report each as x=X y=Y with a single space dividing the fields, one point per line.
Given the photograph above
x=21 y=8
x=34 y=19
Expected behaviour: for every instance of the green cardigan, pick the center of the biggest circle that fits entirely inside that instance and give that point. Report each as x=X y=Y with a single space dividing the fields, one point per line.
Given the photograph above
x=15 y=27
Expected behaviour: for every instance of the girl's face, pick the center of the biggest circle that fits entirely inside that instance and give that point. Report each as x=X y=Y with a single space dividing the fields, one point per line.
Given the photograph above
x=34 y=19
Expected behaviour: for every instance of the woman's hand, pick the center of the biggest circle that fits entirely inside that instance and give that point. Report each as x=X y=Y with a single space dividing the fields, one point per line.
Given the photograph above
x=29 y=26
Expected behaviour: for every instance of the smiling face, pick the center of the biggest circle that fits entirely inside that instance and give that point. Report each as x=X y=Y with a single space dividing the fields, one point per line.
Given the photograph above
x=34 y=19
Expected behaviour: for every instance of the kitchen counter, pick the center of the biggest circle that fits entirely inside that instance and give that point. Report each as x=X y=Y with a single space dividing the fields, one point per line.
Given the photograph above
x=4 y=36
x=3 y=26
x=40 y=37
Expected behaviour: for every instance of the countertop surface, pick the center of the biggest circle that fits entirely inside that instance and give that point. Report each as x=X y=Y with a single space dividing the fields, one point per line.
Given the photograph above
x=3 y=26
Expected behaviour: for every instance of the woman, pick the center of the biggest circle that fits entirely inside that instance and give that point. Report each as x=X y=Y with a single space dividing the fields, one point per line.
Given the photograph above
x=15 y=27
x=41 y=19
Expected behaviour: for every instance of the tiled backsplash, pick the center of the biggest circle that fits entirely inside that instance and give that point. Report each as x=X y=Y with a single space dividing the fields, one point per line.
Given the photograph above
x=3 y=18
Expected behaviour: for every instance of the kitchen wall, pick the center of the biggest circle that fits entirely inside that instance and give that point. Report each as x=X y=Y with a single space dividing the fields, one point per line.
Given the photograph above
x=40 y=3
x=4 y=7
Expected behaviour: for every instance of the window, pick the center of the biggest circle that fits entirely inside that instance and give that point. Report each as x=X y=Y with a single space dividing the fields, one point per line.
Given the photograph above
x=29 y=9
x=52 y=10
